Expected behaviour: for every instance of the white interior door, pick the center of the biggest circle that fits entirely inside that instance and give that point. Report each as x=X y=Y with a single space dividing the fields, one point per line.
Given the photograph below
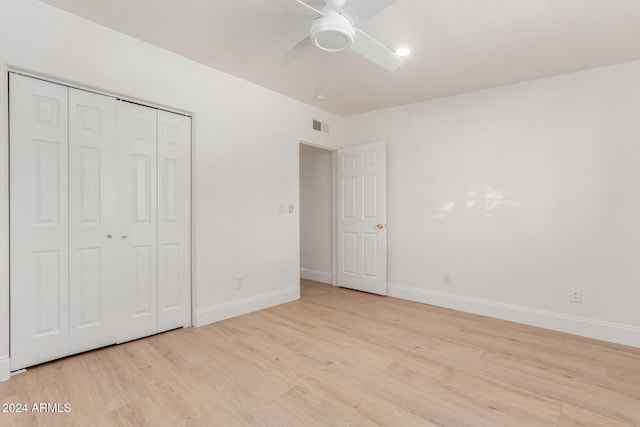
x=362 y=216
x=174 y=221
x=137 y=222
x=92 y=221
x=39 y=230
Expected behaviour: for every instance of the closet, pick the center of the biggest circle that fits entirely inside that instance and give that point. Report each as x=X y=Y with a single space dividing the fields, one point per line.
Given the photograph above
x=100 y=234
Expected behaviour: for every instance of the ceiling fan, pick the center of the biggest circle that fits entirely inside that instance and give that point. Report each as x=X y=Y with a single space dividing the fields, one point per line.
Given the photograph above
x=333 y=30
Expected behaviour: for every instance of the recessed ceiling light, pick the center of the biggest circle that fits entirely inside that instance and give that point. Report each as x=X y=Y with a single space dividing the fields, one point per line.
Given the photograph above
x=403 y=51
x=320 y=97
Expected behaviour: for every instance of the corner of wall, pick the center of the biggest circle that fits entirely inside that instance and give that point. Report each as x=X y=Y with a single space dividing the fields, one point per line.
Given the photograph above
x=316 y=276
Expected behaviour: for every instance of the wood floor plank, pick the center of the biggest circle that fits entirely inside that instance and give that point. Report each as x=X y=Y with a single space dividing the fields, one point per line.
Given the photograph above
x=580 y=417
x=341 y=358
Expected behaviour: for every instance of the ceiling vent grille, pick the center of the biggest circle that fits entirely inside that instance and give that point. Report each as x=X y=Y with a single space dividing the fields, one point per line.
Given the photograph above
x=320 y=127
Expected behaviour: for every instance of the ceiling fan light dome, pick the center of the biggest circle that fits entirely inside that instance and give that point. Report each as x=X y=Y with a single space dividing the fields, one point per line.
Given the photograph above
x=333 y=32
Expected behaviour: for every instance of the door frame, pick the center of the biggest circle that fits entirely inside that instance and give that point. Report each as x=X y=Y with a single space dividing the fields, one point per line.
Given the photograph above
x=334 y=210
x=5 y=286
x=5 y=365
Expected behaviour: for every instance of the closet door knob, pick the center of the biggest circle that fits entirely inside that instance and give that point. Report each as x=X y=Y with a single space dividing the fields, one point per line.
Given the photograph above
x=108 y=236
x=124 y=236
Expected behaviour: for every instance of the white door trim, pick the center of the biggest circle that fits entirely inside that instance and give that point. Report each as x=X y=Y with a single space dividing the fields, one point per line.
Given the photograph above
x=5 y=365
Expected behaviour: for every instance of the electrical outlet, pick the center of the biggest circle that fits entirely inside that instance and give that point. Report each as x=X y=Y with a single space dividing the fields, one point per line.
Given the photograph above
x=446 y=279
x=239 y=283
x=575 y=295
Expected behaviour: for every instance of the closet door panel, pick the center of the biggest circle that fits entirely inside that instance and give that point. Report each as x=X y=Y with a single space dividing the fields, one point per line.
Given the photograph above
x=137 y=222
x=174 y=221
x=38 y=229
x=92 y=220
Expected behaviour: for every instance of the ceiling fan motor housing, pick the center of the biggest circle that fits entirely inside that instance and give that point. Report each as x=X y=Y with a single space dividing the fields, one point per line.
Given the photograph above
x=332 y=32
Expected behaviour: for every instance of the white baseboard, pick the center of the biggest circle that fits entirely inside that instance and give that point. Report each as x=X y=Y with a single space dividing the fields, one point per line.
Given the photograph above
x=591 y=328
x=216 y=313
x=315 y=275
x=5 y=368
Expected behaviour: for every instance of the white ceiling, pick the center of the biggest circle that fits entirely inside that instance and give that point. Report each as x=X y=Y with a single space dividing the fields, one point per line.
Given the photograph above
x=460 y=45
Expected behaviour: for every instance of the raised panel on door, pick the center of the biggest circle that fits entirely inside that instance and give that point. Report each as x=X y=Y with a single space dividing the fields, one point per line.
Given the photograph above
x=38 y=221
x=362 y=236
x=137 y=223
x=92 y=221
x=174 y=220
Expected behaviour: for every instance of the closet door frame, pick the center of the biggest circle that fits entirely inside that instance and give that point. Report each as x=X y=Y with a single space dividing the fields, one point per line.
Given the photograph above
x=5 y=362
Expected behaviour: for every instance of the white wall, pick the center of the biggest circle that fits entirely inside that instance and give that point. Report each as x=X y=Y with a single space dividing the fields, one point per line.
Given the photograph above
x=316 y=215
x=520 y=193
x=245 y=143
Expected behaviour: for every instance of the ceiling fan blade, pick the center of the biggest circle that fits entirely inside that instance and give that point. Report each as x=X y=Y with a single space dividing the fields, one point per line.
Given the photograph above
x=375 y=51
x=359 y=10
x=310 y=8
x=300 y=8
x=290 y=55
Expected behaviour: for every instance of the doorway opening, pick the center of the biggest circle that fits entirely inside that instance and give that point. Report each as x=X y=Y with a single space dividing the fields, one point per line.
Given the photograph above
x=317 y=214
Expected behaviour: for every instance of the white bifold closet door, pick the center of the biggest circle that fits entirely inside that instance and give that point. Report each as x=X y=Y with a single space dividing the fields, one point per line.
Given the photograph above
x=100 y=221
x=154 y=220
x=93 y=267
x=137 y=222
x=39 y=231
x=174 y=220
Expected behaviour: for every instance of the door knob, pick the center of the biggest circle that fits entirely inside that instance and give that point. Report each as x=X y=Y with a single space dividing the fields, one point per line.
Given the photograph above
x=124 y=236
x=108 y=236
x=380 y=226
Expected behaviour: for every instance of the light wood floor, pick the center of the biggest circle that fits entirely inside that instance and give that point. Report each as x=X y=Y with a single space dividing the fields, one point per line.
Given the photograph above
x=341 y=358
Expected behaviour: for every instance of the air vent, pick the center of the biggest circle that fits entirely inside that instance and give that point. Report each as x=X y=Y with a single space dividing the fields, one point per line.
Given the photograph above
x=320 y=127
